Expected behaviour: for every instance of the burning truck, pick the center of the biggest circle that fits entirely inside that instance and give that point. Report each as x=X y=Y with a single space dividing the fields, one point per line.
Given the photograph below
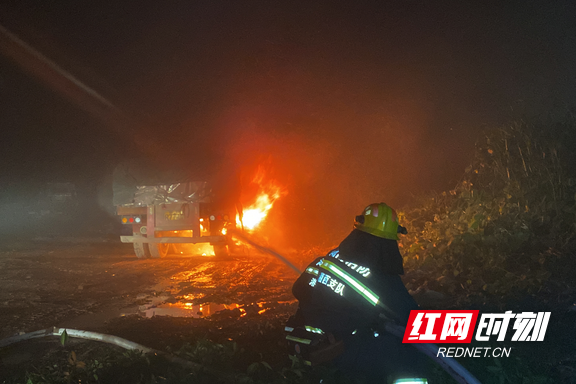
x=168 y=211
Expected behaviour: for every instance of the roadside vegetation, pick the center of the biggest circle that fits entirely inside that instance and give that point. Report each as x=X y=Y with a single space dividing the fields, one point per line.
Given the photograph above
x=503 y=239
x=507 y=233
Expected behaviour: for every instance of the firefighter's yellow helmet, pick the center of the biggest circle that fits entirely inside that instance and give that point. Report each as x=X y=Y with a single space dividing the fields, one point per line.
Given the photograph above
x=380 y=220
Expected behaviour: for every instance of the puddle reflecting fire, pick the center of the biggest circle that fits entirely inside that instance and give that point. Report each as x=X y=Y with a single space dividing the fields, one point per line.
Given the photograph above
x=188 y=309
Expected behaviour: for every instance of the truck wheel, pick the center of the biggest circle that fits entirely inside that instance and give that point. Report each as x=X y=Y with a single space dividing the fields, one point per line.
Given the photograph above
x=141 y=250
x=220 y=251
x=158 y=250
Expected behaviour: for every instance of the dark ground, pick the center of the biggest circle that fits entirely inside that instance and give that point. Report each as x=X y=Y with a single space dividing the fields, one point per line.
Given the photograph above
x=97 y=284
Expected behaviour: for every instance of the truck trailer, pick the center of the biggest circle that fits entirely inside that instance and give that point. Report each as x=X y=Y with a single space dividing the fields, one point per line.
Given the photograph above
x=164 y=214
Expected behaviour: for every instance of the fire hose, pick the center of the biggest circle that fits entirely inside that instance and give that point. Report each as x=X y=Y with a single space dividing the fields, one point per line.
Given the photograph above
x=95 y=336
x=449 y=364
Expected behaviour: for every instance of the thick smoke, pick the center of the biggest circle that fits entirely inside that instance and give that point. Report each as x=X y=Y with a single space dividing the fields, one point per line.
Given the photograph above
x=334 y=161
x=347 y=103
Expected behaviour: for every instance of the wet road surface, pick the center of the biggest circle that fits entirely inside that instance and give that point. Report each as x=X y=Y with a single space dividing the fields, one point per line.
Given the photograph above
x=83 y=283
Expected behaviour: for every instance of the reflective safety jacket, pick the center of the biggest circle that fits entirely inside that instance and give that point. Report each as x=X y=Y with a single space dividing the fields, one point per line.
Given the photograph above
x=342 y=292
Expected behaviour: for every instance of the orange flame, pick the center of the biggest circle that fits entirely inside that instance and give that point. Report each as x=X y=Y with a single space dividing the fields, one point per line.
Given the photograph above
x=268 y=192
x=204 y=249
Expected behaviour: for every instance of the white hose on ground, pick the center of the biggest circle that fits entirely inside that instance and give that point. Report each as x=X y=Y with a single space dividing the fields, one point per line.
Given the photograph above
x=451 y=366
x=95 y=336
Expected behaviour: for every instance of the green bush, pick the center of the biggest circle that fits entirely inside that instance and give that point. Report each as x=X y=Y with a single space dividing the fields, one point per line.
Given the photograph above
x=505 y=231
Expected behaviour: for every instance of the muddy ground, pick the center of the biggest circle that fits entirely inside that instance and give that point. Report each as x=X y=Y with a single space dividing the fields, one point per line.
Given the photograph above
x=174 y=305
x=97 y=284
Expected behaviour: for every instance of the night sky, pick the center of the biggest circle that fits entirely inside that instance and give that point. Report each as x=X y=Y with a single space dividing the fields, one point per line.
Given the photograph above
x=350 y=102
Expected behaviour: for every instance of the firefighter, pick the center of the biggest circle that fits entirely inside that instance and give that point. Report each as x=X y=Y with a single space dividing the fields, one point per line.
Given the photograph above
x=344 y=298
